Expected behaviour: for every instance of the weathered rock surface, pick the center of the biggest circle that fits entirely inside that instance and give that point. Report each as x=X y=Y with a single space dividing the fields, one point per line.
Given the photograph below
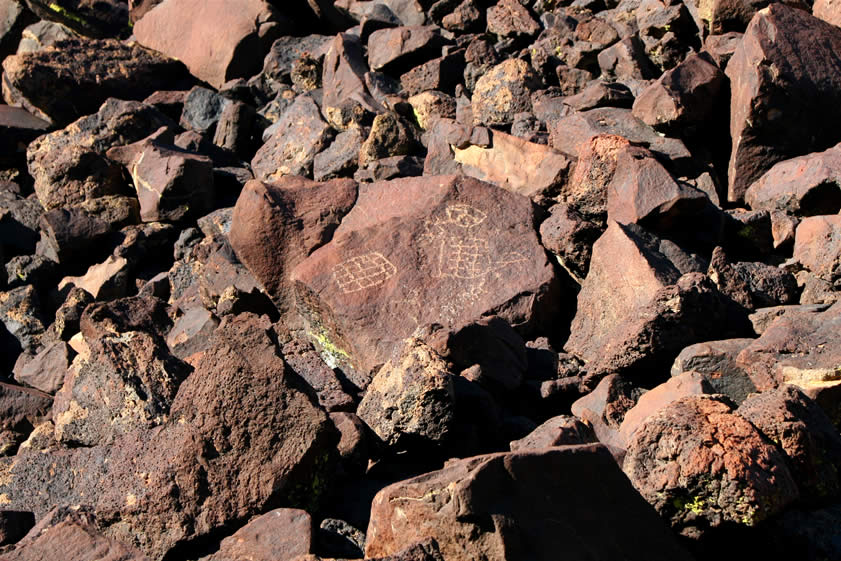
x=417 y=251
x=716 y=360
x=74 y=77
x=700 y=466
x=217 y=40
x=557 y=431
x=785 y=50
x=605 y=407
x=817 y=246
x=502 y=92
x=509 y=505
x=279 y=535
x=238 y=417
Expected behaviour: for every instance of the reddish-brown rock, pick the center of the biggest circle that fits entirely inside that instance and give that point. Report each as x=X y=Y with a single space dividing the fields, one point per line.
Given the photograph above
x=828 y=10
x=570 y=238
x=279 y=535
x=605 y=407
x=701 y=466
x=343 y=77
x=817 y=246
x=752 y=284
x=716 y=360
x=503 y=91
x=415 y=251
x=47 y=369
x=802 y=186
x=522 y=505
x=787 y=112
x=390 y=50
x=807 y=436
x=557 y=431
x=509 y=18
x=275 y=226
x=218 y=40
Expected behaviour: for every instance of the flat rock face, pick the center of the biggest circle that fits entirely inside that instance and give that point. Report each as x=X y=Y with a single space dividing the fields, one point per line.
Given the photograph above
x=817 y=246
x=74 y=77
x=470 y=508
x=238 y=419
x=412 y=252
x=828 y=10
x=217 y=40
x=281 y=534
x=700 y=465
x=785 y=83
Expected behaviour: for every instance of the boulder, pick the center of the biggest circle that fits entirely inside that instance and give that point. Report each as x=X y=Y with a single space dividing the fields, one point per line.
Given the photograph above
x=804 y=186
x=47 y=369
x=17 y=129
x=305 y=361
x=298 y=136
x=43 y=34
x=239 y=418
x=700 y=465
x=20 y=312
x=605 y=408
x=828 y=10
x=171 y=184
x=218 y=40
x=339 y=159
x=343 y=77
x=503 y=91
x=570 y=238
x=767 y=125
x=806 y=435
x=396 y=50
x=91 y=18
x=416 y=251
x=817 y=246
x=522 y=505
x=510 y=19
x=752 y=284
x=557 y=431
x=277 y=225
x=69 y=165
x=716 y=360
x=74 y=77
x=410 y=402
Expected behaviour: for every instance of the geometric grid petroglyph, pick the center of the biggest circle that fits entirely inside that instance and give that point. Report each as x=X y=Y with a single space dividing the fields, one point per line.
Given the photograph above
x=465 y=258
x=363 y=271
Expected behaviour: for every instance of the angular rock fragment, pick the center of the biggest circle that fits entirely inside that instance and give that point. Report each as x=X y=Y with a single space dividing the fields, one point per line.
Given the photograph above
x=492 y=506
x=390 y=136
x=279 y=535
x=391 y=50
x=828 y=10
x=442 y=73
x=503 y=91
x=47 y=369
x=69 y=165
x=17 y=129
x=605 y=407
x=411 y=400
x=509 y=18
x=43 y=34
x=74 y=77
x=817 y=246
x=570 y=238
x=786 y=55
x=716 y=360
x=701 y=465
x=191 y=332
x=343 y=77
x=217 y=40
x=299 y=135
x=557 y=431
x=414 y=251
x=305 y=361
x=171 y=184
x=91 y=18
x=20 y=311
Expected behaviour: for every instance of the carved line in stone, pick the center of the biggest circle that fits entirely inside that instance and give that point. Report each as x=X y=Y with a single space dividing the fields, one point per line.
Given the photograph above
x=363 y=272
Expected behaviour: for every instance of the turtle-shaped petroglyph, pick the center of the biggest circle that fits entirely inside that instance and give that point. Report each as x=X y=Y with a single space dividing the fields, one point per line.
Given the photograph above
x=363 y=271
x=460 y=251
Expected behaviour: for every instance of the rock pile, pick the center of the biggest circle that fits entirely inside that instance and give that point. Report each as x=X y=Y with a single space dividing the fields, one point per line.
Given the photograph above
x=420 y=280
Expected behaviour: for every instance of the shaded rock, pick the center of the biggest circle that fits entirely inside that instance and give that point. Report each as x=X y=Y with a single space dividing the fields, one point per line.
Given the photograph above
x=202 y=109
x=75 y=76
x=390 y=168
x=605 y=407
x=473 y=252
x=509 y=18
x=30 y=269
x=499 y=506
x=19 y=223
x=807 y=436
x=72 y=536
x=803 y=186
x=442 y=74
x=796 y=348
x=700 y=466
x=18 y=128
x=721 y=47
x=46 y=370
x=286 y=50
x=21 y=409
x=570 y=238
x=305 y=361
x=586 y=190
x=716 y=360
x=171 y=184
x=643 y=192
x=20 y=312
x=300 y=135
x=104 y=281
x=145 y=314
x=626 y=60
x=14 y=17
x=503 y=91
x=238 y=416
x=817 y=246
x=340 y=158
x=668 y=31
x=92 y=18
x=343 y=78
x=765 y=124
x=66 y=323
x=398 y=49
x=390 y=136
x=217 y=41
x=431 y=105
x=355 y=447
x=764 y=317
x=752 y=284
x=600 y=94
x=69 y=165
x=411 y=400
x=279 y=535
x=557 y=431
x=810 y=534
x=685 y=96
x=275 y=226
x=14 y=525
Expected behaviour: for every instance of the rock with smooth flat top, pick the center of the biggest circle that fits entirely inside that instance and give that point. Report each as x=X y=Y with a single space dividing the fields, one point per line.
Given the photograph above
x=217 y=40
x=279 y=535
x=817 y=246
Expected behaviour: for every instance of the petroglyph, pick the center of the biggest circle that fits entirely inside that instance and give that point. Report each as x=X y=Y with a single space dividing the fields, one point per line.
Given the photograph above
x=363 y=271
